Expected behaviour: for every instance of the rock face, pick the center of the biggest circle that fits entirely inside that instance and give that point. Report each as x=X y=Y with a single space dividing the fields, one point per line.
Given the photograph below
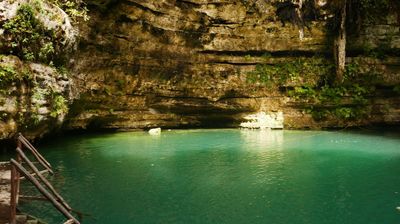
x=174 y=63
x=57 y=32
x=33 y=99
x=34 y=95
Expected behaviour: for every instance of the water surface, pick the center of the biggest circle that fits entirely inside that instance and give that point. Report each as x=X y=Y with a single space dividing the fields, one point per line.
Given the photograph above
x=228 y=176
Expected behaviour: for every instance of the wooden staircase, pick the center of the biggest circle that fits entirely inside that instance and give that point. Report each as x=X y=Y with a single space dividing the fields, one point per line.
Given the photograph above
x=27 y=219
x=22 y=168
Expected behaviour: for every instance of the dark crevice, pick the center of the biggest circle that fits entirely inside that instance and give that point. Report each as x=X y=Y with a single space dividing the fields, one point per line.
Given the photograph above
x=220 y=21
x=124 y=19
x=181 y=98
x=203 y=99
x=144 y=8
x=104 y=7
x=183 y=4
x=121 y=37
x=233 y=63
x=294 y=53
x=381 y=52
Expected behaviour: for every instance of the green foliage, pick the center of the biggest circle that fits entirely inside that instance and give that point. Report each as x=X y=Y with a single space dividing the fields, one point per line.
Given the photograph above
x=30 y=40
x=344 y=102
x=291 y=71
x=373 y=9
x=351 y=71
x=121 y=83
x=4 y=116
x=369 y=75
x=38 y=6
x=76 y=9
x=46 y=52
x=39 y=94
x=7 y=74
x=34 y=119
x=62 y=71
x=377 y=52
x=303 y=92
x=58 y=104
x=345 y=113
x=396 y=89
x=10 y=72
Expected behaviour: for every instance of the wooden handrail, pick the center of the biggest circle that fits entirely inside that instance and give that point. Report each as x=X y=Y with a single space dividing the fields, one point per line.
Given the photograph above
x=20 y=136
x=32 y=198
x=69 y=221
x=41 y=177
x=42 y=190
x=36 y=154
x=34 y=174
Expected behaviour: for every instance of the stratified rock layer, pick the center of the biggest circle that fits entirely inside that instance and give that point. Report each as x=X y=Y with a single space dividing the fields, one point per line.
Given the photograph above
x=175 y=63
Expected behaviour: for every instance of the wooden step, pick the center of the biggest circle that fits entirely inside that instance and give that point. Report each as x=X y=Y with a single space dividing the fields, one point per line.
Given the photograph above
x=32 y=221
x=21 y=219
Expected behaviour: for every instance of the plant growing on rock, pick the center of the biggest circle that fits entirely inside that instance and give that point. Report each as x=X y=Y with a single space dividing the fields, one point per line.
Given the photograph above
x=58 y=104
x=12 y=72
x=295 y=70
x=396 y=89
x=348 y=16
x=347 y=102
x=76 y=9
x=28 y=38
x=7 y=74
x=42 y=31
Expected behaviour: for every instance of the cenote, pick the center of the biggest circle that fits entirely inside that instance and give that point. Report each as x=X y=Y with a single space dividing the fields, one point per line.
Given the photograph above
x=227 y=176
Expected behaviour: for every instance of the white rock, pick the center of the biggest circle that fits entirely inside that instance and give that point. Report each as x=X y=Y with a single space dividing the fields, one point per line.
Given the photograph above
x=43 y=110
x=155 y=131
x=264 y=121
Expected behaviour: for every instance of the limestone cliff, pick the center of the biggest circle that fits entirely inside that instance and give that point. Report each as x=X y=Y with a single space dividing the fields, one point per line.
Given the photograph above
x=186 y=63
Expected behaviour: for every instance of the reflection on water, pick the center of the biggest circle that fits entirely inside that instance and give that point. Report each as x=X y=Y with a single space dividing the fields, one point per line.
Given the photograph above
x=261 y=139
x=228 y=176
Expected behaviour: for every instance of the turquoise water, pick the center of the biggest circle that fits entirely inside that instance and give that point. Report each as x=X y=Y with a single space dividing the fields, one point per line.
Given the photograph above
x=228 y=176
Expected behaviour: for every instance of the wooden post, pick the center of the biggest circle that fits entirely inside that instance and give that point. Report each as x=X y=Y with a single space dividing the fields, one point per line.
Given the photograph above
x=17 y=174
x=13 y=198
x=44 y=191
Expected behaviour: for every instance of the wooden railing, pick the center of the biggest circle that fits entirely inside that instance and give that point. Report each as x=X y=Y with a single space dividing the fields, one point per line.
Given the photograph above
x=44 y=186
x=22 y=141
